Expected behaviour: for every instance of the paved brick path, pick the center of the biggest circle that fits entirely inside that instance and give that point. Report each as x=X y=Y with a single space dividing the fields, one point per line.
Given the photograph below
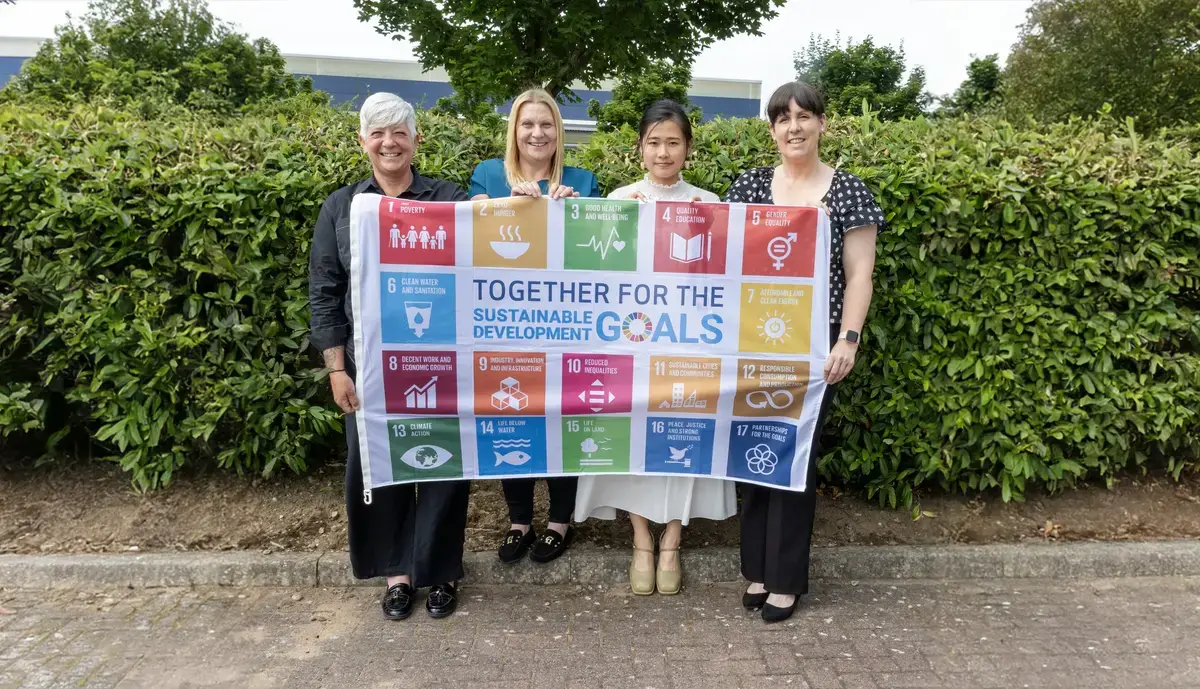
x=850 y=635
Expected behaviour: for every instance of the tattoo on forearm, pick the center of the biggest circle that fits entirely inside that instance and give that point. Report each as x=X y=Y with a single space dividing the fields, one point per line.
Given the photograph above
x=333 y=357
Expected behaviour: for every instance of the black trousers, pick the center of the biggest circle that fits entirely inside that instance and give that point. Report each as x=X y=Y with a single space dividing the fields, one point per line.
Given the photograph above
x=518 y=493
x=413 y=529
x=777 y=524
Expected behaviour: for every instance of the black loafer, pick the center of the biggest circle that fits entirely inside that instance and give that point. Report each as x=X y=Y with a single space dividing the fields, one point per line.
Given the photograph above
x=754 y=601
x=442 y=601
x=397 y=602
x=771 y=613
x=551 y=545
x=515 y=545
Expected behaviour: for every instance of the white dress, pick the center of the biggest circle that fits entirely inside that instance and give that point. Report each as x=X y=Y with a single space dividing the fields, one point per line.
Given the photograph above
x=658 y=498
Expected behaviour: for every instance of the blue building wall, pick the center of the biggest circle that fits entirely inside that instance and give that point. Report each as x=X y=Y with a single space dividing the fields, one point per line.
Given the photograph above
x=422 y=94
x=426 y=93
x=9 y=66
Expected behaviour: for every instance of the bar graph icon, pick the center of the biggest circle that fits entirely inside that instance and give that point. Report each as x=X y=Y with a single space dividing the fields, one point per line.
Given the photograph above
x=422 y=396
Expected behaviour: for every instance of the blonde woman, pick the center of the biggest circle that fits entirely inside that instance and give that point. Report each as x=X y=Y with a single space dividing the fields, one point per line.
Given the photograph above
x=664 y=139
x=533 y=157
x=533 y=166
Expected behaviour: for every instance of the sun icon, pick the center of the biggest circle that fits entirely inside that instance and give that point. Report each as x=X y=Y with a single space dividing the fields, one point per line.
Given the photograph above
x=774 y=328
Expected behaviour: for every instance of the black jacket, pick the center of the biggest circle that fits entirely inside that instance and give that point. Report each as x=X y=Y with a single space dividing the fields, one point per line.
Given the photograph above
x=329 y=262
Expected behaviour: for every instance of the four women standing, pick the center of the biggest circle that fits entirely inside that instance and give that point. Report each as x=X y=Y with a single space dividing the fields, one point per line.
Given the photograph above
x=776 y=524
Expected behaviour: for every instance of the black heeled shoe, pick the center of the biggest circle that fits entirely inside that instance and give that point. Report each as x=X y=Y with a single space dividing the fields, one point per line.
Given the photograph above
x=442 y=600
x=754 y=601
x=398 y=601
x=772 y=613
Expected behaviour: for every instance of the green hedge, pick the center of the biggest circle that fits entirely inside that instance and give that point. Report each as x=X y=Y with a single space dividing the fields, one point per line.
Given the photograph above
x=1035 y=317
x=153 y=282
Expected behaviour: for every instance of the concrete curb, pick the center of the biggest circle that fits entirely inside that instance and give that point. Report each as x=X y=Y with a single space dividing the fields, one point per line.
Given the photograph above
x=154 y=570
x=590 y=566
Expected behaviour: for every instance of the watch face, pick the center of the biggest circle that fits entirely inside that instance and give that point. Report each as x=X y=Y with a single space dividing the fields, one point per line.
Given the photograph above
x=851 y=336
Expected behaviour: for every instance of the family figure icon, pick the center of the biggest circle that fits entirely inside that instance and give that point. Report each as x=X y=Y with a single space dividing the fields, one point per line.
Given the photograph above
x=432 y=241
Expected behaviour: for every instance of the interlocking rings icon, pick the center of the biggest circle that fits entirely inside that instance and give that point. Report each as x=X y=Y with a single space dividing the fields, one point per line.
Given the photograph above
x=760 y=399
x=761 y=460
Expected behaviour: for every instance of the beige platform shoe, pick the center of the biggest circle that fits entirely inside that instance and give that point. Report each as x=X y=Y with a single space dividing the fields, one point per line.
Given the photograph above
x=641 y=582
x=669 y=580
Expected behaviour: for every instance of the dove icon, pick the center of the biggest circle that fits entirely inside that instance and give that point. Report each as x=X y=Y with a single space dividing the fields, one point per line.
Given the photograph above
x=679 y=456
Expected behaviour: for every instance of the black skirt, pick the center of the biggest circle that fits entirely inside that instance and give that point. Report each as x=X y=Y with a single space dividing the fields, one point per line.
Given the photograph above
x=415 y=529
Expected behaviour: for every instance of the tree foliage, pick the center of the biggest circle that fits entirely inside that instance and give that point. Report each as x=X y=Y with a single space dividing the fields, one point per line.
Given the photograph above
x=980 y=90
x=156 y=51
x=1075 y=56
x=863 y=71
x=633 y=93
x=494 y=50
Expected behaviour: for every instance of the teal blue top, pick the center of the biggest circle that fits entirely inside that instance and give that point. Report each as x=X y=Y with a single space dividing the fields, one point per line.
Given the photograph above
x=489 y=179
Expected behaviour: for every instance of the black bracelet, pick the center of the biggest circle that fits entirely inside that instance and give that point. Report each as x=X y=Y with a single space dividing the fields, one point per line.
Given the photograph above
x=337 y=370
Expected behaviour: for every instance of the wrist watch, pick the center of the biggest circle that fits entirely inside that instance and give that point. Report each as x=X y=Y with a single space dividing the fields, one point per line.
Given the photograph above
x=850 y=336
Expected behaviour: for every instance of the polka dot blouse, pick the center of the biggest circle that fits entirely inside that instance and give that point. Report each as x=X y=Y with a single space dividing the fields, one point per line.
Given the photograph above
x=850 y=203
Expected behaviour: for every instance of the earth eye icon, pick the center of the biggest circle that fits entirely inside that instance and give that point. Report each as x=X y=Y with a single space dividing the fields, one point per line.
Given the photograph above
x=426 y=457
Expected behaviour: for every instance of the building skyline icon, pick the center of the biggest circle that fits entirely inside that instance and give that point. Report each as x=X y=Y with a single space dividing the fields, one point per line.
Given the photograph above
x=681 y=400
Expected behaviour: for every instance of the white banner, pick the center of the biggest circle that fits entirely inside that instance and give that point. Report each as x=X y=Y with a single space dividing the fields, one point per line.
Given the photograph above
x=524 y=337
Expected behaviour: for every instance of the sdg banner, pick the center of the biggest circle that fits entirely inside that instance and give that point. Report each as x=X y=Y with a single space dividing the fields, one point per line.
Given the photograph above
x=524 y=337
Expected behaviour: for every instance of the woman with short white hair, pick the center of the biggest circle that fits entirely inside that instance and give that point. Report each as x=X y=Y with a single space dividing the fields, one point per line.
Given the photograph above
x=411 y=534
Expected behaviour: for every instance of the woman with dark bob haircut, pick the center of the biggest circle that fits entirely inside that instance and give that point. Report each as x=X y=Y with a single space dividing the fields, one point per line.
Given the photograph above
x=777 y=524
x=664 y=140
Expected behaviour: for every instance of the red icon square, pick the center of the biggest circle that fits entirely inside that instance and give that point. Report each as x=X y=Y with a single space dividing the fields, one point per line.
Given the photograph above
x=690 y=237
x=420 y=382
x=597 y=383
x=415 y=233
x=780 y=241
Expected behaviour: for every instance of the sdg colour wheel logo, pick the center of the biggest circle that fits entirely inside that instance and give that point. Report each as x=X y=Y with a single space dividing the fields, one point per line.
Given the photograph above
x=637 y=327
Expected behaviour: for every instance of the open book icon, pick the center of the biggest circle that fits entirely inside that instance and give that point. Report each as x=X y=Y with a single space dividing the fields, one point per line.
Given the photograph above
x=687 y=250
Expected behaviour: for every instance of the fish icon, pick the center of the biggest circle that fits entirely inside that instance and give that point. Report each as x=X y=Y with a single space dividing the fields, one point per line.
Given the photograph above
x=515 y=458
